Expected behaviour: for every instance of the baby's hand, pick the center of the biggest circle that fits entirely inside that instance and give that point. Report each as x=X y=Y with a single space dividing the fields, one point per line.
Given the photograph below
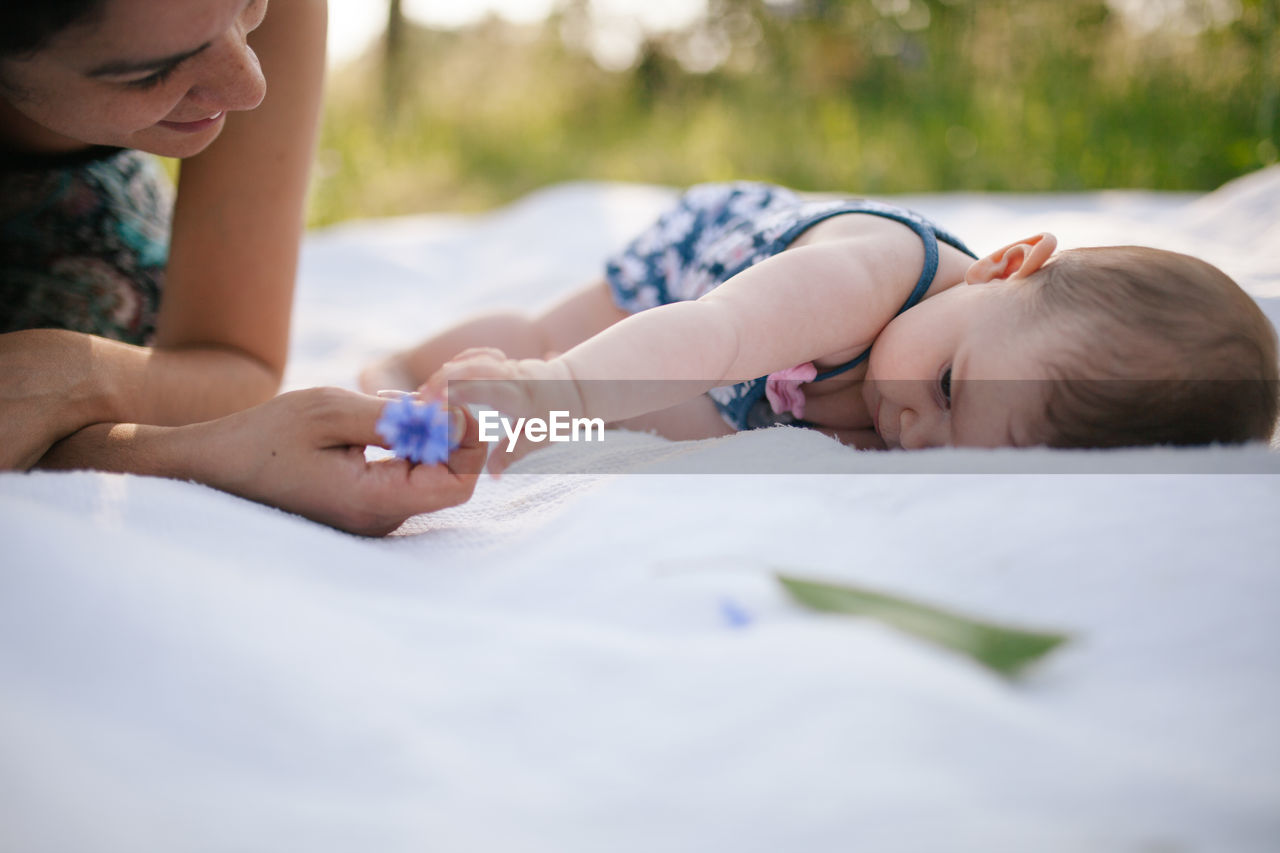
x=518 y=388
x=485 y=376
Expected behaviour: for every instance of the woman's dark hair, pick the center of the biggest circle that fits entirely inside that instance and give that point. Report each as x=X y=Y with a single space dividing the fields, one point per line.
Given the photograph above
x=28 y=25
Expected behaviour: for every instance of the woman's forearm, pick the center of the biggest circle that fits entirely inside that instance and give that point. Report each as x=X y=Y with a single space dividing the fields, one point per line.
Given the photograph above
x=54 y=383
x=167 y=387
x=125 y=448
x=151 y=395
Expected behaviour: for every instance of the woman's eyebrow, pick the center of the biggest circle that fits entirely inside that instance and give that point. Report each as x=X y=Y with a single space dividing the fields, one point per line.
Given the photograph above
x=124 y=66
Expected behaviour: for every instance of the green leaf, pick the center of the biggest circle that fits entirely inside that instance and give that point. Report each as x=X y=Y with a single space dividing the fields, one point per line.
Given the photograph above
x=1003 y=648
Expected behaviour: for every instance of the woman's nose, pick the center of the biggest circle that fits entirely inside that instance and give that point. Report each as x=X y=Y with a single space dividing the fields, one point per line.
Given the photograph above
x=233 y=80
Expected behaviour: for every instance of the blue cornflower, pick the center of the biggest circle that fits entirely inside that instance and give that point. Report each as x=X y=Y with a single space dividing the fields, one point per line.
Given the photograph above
x=417 y=431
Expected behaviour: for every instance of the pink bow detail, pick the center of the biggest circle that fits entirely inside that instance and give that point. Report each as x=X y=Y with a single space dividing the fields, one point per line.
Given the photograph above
x=783 y=388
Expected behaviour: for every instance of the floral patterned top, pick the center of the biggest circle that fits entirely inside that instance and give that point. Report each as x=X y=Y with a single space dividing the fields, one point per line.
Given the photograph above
x=84 y=241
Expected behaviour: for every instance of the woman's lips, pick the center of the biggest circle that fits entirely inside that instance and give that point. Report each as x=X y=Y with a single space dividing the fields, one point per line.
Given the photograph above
x=194 y=126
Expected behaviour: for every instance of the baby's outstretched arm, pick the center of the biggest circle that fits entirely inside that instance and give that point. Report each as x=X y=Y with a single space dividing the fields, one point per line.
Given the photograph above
x=801 y=305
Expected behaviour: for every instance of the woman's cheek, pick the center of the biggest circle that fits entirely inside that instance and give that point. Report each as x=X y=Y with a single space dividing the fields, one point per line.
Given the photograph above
x=129 y=113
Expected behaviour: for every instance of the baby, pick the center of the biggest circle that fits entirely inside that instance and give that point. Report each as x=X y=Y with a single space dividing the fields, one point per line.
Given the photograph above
x=871 y=324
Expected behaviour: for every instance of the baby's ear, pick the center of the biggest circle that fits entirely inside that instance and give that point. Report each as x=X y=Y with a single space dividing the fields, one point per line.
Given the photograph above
x=1016 y=260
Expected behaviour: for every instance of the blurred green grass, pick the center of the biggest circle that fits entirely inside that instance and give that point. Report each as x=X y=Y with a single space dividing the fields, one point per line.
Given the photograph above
x=862 y=96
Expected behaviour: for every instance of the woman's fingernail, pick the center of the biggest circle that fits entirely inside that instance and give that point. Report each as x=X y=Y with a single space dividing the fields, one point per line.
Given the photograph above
x=393 y=394
x=457 y=425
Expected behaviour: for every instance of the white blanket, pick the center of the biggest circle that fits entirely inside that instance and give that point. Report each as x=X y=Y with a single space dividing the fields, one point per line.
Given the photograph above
x=563 y=664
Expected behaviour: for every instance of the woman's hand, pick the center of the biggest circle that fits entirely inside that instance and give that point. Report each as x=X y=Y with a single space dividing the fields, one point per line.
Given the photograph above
x=305 y=452
x=302 y=452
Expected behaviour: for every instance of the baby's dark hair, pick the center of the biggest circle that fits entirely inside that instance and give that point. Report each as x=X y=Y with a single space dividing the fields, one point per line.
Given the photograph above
x=27 y=25
x=1172 y=352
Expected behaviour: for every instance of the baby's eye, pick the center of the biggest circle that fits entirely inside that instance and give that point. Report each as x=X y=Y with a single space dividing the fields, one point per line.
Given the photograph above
x=944 y=385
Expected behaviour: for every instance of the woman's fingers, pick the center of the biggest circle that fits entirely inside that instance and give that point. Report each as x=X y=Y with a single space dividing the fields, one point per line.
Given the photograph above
x=400 y=489
x=335 y=417
x=344 y=418
x=392 y=490
x=376 y=497
x=305 y=452
x=467 y=460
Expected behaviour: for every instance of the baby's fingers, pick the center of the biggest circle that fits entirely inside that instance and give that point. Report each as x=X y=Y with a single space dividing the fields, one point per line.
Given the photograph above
x=509 y=396
x=499 y=461
x=506 y=453
x=475 y=363
x=480 y=353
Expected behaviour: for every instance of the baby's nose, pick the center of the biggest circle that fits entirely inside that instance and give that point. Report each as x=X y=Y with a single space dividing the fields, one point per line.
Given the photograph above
x=907 y=421
x=916 y=431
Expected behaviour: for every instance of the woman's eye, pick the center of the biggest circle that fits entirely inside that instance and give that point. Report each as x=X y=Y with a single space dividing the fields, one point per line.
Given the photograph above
x=152 y=80
x=945 y=385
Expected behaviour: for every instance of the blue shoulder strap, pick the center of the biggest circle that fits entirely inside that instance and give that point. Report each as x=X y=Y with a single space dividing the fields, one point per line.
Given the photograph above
x=917 y=293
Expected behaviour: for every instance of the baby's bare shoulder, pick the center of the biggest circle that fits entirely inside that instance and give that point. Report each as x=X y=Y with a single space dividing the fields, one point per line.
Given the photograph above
x=885 y=244
x=850 y=226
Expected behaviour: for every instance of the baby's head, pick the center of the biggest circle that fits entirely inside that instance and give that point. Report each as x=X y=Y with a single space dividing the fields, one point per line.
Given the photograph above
x=1157 y=348
x=1106 y=347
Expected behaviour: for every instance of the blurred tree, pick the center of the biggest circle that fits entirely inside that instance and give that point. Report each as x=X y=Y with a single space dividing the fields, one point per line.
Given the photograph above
x=393 y=60
x=1269 y=91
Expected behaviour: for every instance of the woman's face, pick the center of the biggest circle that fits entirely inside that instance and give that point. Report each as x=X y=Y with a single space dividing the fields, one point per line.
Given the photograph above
x=156 y=75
